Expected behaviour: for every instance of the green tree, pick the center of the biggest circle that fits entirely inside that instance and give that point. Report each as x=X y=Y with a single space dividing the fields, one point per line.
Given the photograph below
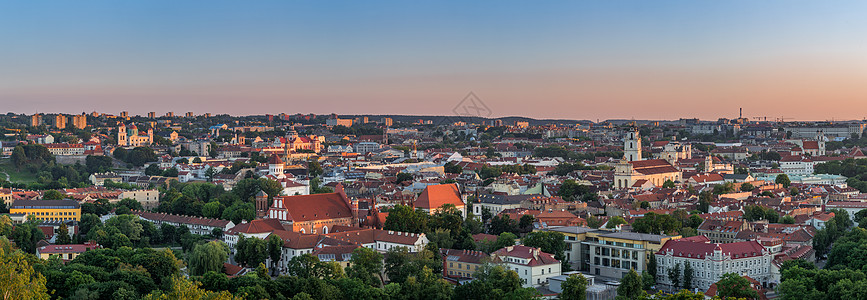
x=208 y=257
x=19 y=158
x=404 y=218
x=549 y=242
x=452 y=168
x=53 y=195
x=275 y=249
x=366 y=265
x=630 y=286
x=250 y=251
x=575 y=288
x=270 y=187
x=784 y=180
x=26 y=236
x=494 y=282
x=733 y=285
x=614 y=221
x=153 y=170
x=63 y=235
x=425 y=284
x=747 y=187
x=674 y=276
x=314 y=169
x=688 y=274
x=181 y=288
x=5 y=225
x=400 y=264
x=213 y=210
x=570 y=190
x=97 y=163
x=668 y=184
x=401 y=177
x=18 y=279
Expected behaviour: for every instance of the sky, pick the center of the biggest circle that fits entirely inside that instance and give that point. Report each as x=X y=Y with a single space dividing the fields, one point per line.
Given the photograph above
x=804 y=60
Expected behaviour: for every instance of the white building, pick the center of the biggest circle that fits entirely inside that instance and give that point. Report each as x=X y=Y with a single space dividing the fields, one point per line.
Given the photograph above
x=797 y=165
x=532 y=265
x=710 y=261
x=365 y=147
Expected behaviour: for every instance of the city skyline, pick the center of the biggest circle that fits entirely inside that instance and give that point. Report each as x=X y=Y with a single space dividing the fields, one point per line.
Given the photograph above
x=585 y=60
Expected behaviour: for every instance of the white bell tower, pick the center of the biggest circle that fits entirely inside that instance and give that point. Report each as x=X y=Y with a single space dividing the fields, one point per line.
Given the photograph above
x=632 y=145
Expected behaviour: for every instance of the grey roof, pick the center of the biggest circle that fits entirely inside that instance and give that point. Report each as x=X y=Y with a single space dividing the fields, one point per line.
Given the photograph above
x=636 y=236
x=736 y=176
x=571 y=229
x=505 y=199
x=45 y=204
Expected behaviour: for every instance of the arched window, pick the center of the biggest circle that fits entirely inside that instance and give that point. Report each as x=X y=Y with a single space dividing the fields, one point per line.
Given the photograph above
x=324 y=229
x=302 y=230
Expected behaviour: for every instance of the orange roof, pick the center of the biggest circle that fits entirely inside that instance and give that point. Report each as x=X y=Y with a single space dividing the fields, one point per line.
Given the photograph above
x=435 y=196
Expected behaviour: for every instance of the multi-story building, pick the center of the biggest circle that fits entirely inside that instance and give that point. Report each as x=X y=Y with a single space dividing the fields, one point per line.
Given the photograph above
x=613 y=254
x=577 y=253
x=60 y=121
x=79 y=121
x=338 y=122
x=317 y=213
x=531 y=264
x=709 y=261
x=36 y=120
x=149 y=199
x=65 y=149
x=462 y=263
x=152 y=115
x=836 y=130
x=797 y=165
x=48 y=210
x=387 y=122
x=365 y=147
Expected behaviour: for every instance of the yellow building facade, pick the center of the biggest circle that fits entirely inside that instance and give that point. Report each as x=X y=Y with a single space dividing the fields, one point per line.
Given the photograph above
x=48 y=210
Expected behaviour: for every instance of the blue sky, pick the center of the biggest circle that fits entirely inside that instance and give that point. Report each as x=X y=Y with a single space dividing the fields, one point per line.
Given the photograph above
x=561 y=59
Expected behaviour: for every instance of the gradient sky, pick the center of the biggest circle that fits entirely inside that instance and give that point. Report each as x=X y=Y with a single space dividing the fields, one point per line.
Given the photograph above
x=545 y=59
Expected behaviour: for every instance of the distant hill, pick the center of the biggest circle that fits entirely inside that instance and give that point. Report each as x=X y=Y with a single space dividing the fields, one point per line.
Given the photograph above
x=476 y=120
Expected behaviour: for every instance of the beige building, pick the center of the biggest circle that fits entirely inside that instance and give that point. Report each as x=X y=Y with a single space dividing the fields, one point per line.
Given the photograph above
x=633 y=171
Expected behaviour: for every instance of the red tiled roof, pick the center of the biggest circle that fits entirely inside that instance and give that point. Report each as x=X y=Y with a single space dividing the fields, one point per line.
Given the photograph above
x=77 y=248
x=698 y=250
x=257 y=226
x=435 y=196
x=707 y=178
x=535 y=256
x=653 y=166
x=316 y=207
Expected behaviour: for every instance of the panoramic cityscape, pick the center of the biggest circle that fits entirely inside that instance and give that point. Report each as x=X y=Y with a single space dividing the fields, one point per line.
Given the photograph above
x=433 y=150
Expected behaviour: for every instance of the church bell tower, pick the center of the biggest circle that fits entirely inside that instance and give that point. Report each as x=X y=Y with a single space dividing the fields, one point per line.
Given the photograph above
x=632 y=145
